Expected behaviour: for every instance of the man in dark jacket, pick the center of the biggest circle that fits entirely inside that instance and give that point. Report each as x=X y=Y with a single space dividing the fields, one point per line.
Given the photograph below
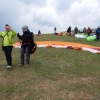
x=27 y=39
x=55 y=30
x=97 y=33
x=69 y=30
x=76 y=30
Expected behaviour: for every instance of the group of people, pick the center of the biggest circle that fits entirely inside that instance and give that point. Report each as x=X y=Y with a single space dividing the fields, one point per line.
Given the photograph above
x=27 y=41
x=87 y=31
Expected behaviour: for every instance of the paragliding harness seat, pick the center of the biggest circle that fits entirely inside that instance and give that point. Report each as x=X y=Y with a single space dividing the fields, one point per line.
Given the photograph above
x=33 y=47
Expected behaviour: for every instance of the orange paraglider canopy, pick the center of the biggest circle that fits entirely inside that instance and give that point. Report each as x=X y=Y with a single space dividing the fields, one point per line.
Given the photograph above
x=60 y=44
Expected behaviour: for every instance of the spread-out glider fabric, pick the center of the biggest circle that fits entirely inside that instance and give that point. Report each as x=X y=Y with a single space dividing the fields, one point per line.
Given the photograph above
x=59 y=44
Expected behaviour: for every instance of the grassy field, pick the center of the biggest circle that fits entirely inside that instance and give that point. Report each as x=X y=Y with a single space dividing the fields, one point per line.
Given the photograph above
x=53 y=74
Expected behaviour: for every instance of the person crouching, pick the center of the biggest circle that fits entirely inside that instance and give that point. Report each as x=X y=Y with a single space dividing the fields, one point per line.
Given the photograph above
x=25 y=45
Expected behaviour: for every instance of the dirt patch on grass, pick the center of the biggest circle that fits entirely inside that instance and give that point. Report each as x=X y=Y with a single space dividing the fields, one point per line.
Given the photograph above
x=68 y=87
x=3 y=79
x=63 y=88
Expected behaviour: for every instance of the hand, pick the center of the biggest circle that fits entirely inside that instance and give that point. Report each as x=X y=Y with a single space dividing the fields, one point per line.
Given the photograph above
x=18 y=34
x=10 y=28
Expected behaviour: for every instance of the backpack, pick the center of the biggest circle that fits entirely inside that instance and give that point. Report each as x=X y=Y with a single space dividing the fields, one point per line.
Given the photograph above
x=33 y=45
x=32 y=48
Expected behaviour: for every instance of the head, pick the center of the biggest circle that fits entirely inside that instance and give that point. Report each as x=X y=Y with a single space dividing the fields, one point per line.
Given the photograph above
x=7 y=27
x=25 y=28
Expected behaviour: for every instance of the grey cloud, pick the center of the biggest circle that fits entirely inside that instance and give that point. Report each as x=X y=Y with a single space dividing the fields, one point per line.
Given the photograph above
x=9 y=14
x=64 y=13
x=61 y=6
x=35 y=3
x=7 y=18
x=85 y=16
x=44 y=21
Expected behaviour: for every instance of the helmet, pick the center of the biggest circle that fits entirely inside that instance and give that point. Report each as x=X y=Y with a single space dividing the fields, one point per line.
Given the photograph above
x=25 y=27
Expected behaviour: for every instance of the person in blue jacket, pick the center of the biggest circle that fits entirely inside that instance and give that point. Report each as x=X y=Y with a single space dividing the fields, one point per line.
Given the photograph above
x=97 y=33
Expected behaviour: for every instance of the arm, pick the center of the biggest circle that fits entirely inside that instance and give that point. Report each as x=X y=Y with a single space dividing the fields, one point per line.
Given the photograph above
x=1 y=34
x=19 y=36
x=14 y=33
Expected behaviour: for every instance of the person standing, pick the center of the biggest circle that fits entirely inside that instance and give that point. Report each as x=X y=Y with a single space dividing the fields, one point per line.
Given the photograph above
x=7 y=43
x=97 y=33
x=84 y=30
x=89 y=31
x=76 y=30
x=27 y=39
x=69 y=30
x=55 y=30
x=39 y=32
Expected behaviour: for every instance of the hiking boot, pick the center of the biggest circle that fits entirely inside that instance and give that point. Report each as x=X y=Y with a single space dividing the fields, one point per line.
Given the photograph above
x=26 y=65
x=8 y=67
x=21 y=65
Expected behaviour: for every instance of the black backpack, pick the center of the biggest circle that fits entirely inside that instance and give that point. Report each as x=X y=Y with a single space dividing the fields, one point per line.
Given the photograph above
x=33 y=45
x=33 y=48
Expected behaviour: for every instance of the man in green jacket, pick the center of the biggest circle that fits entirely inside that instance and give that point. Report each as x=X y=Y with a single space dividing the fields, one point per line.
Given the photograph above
x=7 y=43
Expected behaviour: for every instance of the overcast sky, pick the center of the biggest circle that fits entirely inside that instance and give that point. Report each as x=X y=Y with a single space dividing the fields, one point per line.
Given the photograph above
x=44 y=15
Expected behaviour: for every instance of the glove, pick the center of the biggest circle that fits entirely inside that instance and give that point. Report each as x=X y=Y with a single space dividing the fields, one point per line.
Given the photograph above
x=18 y=35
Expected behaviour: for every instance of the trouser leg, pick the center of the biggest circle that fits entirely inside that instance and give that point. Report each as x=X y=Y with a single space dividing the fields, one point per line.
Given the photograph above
x=88 y=34
x=5 y=51
x=69 y=33
x=8 y=52
x=22 y=55
x=9 y=56
x=27 y=55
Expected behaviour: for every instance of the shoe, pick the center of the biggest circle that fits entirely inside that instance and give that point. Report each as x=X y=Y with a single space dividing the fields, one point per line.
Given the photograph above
x=26 y=65
x=8 y=67
x=21 y=65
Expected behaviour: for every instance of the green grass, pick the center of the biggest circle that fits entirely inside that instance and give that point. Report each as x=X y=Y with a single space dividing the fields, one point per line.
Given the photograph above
x=53 y=74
